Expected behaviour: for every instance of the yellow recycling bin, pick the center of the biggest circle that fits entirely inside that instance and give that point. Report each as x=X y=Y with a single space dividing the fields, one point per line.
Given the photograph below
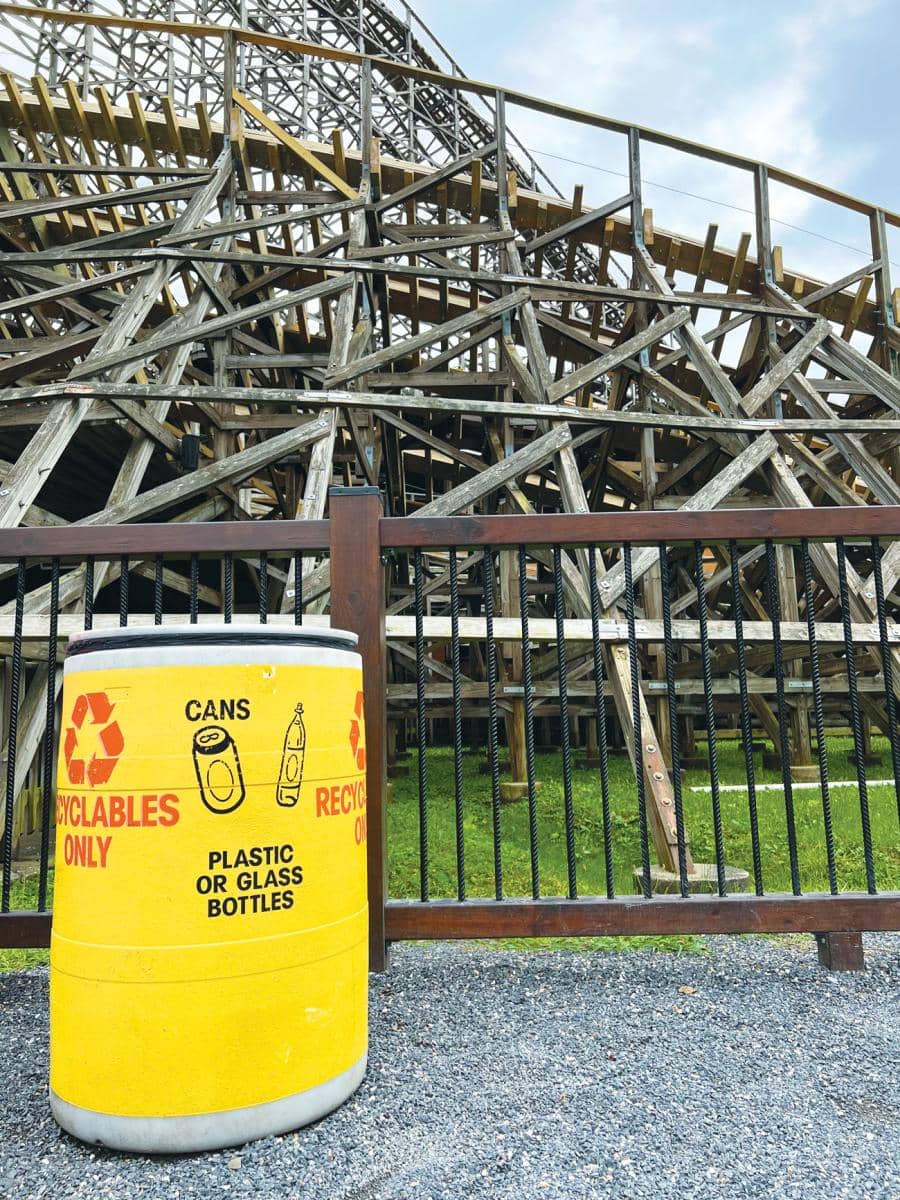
x=209 y=959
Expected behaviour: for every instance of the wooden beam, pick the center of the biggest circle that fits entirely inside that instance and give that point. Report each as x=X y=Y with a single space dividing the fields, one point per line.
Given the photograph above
x=295 y=146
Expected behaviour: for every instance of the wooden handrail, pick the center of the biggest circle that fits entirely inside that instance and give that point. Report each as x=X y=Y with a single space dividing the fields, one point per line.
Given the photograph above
x=718 y=525
x=572 y=529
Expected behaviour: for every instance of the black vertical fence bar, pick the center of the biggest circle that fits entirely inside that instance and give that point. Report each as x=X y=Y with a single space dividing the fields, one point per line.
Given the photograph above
x=600 y=720
x=158 y=590
x=15 y=687
x=674 y=728
x=710 y=717
x=421 y=730
x=638 y=748
x=783 y=735
x=89 y=594
x=887 y=669
x=818 y=712
x=228 y=588
x=298 y=589
x=493 y=717
x=564 y=731
x=49 y=732
x=123 y=589
x=195 y=588
x=457 y=727
x=528 y=705
x=855 y=716
x=263 y=587
x=746 y=715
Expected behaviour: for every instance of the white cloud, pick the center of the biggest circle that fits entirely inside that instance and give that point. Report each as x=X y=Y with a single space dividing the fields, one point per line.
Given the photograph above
x=755 y=79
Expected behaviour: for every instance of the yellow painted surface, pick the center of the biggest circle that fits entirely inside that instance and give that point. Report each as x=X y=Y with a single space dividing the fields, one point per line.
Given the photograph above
x=210 y=922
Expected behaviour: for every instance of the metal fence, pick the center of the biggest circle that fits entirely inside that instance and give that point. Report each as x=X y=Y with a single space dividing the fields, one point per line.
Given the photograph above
x=644 y=723
x=704 y=657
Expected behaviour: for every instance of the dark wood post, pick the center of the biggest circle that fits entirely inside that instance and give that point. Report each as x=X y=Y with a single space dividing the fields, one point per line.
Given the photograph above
x=841 y=951
x=357 y=603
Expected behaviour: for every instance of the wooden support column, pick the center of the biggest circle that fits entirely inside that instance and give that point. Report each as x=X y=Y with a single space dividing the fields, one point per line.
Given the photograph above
x=357 y=603
x=649 y=477
x=512 y=655
x=801 y=744
x=887 y=356
x=841 y=951
x=652 y=598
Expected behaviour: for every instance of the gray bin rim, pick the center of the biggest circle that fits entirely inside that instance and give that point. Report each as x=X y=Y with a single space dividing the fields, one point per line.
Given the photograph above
x=157 y=636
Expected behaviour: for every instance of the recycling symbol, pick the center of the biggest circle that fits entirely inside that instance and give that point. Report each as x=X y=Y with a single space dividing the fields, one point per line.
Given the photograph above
x=356 y=734
x=93 y=741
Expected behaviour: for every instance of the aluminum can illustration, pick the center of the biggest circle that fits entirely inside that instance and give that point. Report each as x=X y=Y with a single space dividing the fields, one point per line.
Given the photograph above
x=218 y=769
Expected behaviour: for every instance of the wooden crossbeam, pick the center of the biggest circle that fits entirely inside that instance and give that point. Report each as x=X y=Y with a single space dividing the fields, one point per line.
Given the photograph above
x=583 y=221
x=617 y=356
x=462 y=324
x=426 y=182
x=151 y=347
x=292 y=144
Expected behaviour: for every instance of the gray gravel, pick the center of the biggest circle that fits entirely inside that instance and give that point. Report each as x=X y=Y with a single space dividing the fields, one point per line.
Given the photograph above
x=547 y=1075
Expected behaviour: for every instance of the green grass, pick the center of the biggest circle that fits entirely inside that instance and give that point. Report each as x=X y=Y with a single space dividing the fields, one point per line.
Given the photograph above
x=403 y=832
x=403 y=837
x=24 y=895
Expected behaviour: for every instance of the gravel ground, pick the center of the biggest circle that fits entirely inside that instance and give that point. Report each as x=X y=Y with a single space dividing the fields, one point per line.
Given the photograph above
x=744 y=1072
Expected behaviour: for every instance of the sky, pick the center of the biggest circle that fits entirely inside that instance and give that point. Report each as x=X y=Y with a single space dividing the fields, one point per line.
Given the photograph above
x=809 y=85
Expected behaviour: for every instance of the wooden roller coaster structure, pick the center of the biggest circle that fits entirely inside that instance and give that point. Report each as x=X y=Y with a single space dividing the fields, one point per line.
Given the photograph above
x=239 y=266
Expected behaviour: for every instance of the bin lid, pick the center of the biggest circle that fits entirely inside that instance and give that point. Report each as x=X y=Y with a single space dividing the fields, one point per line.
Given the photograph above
x=219 y=634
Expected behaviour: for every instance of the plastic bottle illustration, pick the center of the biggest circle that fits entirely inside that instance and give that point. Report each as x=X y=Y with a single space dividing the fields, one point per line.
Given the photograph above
x=218 y=769
x=290 y=777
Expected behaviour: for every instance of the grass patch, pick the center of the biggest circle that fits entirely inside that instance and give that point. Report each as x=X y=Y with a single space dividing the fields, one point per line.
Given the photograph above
x=403 y=833
x=24 y=895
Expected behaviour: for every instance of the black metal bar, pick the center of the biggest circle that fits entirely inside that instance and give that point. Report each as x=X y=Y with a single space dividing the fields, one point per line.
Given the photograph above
x=855 y=716
x=784 y=747
x=158 y=590
x=887 y=666
x=637 y=745
x=263 y=587
x=195 y=588
x=228 y=588
x=15 y=685
x=746 y=716
x=674 y=729
x=48 y=790
x=421 y=730
x=600 y=721
x=564 y=731
x=89 y=593
x=710 y=716
x=298 y=588
x=457 y=728
x=528 y=703
x=493 y=718
x=818 y=712
x=123 y=589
